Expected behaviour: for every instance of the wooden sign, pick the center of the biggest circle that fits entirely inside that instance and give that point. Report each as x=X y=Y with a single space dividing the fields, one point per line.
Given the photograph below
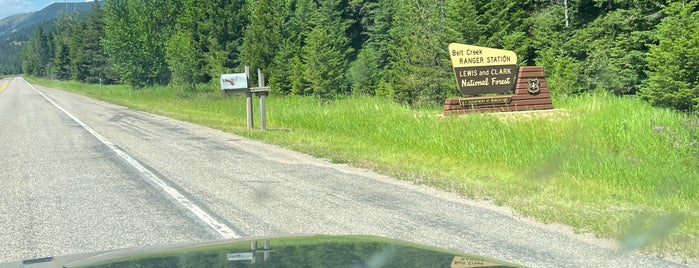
x=482 y=70
x=531 y=93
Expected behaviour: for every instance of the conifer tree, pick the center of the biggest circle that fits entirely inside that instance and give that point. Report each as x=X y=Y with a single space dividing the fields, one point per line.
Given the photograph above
x=674 y=70
x=135 y=38
x=288 y=77
x=63 y=40
x=368 y=73
x=325 y=52
x=37 y=56
x=420 y=68
x=263 y=36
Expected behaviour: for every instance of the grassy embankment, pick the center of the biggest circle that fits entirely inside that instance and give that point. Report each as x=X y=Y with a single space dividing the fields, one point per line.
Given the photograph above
x=613 y=166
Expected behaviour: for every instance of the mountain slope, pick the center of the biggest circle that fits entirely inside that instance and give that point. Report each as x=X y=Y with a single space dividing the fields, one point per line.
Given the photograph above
x=16 y=30
x=26 y=21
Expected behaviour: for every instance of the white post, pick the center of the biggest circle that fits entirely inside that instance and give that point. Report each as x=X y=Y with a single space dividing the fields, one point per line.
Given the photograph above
x=565 y=3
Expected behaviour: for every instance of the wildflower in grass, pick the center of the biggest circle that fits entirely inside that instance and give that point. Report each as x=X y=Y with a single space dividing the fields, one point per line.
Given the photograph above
x=671 y=136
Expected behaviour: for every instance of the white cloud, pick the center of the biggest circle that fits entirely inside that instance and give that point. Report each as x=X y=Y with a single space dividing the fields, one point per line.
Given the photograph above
x=12 y=7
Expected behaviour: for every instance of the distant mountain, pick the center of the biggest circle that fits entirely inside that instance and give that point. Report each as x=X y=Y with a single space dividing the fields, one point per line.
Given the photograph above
x=29 y=21
x=16 y=30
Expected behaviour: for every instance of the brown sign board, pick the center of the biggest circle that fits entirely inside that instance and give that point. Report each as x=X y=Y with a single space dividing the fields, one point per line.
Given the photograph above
x=482 y=70
x=531 y=93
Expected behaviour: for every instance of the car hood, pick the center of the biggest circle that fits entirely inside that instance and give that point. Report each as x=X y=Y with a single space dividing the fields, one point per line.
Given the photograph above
x=286 y=251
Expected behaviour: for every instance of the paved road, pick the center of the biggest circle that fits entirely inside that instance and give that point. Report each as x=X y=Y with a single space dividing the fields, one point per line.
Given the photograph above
x=92 y=176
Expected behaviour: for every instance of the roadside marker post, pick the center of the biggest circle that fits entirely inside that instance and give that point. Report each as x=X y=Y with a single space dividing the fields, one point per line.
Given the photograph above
x=261 y=91
x=248 y=101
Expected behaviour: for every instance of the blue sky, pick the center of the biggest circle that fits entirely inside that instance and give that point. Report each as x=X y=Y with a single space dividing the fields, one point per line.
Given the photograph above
x=12 y=7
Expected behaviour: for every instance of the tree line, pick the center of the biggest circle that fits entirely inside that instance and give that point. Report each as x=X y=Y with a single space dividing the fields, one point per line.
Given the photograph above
x=330 y=48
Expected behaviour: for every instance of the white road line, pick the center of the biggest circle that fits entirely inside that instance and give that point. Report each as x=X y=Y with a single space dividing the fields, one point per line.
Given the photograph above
x=220 y=228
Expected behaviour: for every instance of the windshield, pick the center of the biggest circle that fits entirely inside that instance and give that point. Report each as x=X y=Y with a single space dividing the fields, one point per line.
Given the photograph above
x=540 y=133
x=309 y=251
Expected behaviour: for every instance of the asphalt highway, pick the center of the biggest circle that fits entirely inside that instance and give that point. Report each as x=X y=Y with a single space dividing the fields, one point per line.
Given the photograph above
x=80 y=175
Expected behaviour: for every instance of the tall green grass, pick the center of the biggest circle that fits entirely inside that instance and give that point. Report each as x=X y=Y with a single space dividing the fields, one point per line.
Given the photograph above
x=613 y=166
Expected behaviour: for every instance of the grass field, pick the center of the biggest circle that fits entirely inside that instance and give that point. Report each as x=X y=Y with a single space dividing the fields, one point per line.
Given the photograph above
x=612 y=166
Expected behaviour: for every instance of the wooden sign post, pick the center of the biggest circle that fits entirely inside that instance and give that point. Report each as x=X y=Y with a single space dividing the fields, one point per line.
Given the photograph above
x=261 y=90
x=482 y=70
x=239 y=83
x=248 y=101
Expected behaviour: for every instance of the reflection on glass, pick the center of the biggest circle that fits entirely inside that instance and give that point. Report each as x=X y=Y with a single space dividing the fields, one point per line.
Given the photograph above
x=314 y=251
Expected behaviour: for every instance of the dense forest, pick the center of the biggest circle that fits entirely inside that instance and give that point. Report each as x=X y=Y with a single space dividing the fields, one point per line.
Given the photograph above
x=9 y=61
x=395 y=48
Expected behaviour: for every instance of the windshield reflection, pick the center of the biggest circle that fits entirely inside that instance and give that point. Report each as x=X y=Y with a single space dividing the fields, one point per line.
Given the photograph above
x=314 y=251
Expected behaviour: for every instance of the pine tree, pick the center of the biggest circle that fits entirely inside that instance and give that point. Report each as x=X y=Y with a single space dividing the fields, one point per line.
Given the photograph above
x=263 y=36
x=62 y=42
x=182 y=53
x=674 y=73
x=98 y=68
x=462 y=18
x=364 y=73
x=420 y=68
x=10 y=57
x=367 y=74
x=325 y=53
x=549 y=39
x=37 y=56
x=287 y=77
x=361 y=16
x=88 y=60
x=218 y=33
x=135 y=38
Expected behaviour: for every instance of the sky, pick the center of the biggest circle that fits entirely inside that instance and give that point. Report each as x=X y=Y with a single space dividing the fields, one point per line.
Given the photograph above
x=12 y=7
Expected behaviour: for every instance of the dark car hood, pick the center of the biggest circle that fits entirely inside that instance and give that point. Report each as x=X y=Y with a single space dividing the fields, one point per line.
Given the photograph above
x=287 y=251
